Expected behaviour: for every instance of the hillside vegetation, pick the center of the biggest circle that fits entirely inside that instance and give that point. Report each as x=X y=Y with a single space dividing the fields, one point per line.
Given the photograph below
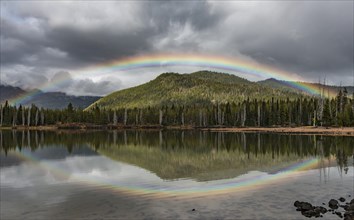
x=199 y=88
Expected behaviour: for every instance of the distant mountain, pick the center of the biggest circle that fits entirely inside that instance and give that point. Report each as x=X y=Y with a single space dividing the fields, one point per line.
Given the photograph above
x=10 y=92
x=59 y=100
x=52 y=100
x=289 y=86
x=203 y=87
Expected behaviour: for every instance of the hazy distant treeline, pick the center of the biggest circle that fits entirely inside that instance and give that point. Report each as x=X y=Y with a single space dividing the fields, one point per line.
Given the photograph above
x=317 y=111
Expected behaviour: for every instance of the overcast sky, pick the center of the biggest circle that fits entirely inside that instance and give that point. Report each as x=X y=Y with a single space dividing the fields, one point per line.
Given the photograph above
x=42 y=41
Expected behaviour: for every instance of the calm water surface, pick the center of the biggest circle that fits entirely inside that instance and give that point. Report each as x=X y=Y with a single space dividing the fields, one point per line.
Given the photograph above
x=170 y=174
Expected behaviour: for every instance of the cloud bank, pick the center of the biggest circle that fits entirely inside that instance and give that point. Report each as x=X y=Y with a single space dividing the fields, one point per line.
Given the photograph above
x=40 y=39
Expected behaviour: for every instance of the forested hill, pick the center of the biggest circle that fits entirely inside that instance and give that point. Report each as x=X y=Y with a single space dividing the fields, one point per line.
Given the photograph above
x=203 y=87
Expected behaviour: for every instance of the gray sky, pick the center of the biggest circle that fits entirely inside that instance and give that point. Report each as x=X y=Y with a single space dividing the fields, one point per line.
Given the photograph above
x=42 y=41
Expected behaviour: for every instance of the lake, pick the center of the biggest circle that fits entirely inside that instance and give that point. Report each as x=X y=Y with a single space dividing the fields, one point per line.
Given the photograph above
x=170 y=174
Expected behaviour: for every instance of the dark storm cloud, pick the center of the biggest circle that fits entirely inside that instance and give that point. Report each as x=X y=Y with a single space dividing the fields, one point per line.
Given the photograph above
x=312 y=37
x=98 y=45
x=101 y=42
x=37 y=31
x=15 y=44
x=308 y=38
x=105 y=43
x=198 y=13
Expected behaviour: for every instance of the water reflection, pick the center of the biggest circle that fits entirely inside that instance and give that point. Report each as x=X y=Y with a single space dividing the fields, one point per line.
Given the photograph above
x=164 y=174
x=198 y=155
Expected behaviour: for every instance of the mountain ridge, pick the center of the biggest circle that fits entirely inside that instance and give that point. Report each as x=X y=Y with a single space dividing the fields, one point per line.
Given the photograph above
x=197 y=88
x=51 y=100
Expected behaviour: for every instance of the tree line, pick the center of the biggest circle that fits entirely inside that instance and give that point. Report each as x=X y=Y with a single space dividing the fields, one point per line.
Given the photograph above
x=302 y=111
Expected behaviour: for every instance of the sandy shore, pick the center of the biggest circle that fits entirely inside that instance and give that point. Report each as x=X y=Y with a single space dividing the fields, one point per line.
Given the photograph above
x=347 y=131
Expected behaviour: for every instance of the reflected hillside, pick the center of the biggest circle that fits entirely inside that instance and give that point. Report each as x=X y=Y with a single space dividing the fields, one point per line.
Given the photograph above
x=193 y=154
x=209 y=156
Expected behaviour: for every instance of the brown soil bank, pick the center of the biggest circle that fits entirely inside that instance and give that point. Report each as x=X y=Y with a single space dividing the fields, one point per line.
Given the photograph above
x=348 y=131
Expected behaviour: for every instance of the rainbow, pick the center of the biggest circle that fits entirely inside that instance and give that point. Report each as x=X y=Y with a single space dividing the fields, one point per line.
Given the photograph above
x=239 y=67
x=239 y=184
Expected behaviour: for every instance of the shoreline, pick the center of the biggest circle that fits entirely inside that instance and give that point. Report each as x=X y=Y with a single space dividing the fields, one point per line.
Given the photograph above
x=305 y=130
x=340 y=131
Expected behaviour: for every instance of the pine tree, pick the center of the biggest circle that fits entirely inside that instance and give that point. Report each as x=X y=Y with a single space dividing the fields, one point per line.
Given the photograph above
x=14 y=117
x=326 y=119
x=23 y=117
x=125 y=116
x=36 y=118
x=42 y=117
x=243 y=115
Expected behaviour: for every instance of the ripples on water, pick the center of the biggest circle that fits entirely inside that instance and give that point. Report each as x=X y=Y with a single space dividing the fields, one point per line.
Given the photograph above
x=155 y=174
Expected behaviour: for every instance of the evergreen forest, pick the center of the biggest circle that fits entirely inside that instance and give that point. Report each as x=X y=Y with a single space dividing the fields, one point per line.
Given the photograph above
x=302 y=111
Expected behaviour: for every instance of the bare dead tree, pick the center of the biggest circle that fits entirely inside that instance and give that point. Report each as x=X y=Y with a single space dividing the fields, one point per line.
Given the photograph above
x=1 y=115
x=29 y=117
x=115 y=121
x=243 y=115
x=259 y=115
x=125 y=116
x=161 y=117
x=320 y=103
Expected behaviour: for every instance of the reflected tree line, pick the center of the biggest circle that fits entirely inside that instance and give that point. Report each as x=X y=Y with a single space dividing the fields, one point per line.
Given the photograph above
x=198 y=154
x=197 y=141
